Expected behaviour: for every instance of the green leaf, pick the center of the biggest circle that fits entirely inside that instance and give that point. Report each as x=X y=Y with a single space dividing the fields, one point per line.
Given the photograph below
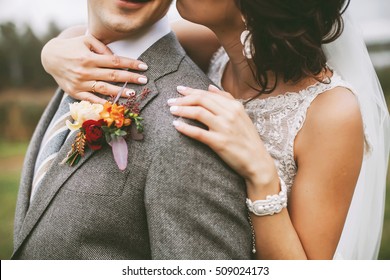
x=120 y=133
x=73 y=159
x=108 y=137
x=105 y=129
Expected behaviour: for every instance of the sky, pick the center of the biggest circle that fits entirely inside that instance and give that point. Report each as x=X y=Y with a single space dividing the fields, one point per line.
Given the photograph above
x=39 y=12
x=373 y=15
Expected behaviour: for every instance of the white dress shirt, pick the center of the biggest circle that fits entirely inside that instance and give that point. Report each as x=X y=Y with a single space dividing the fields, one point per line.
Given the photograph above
x=133 y=47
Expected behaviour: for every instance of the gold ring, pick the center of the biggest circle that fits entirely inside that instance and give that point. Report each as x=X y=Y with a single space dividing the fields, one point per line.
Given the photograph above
x=93 y=86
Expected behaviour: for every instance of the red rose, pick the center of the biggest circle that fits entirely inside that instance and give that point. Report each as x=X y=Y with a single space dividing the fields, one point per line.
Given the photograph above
x=94 y=134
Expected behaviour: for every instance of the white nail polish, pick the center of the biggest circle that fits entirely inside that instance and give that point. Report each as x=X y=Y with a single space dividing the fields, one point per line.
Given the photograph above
x=213 y=87
x=176 y=123
x=142 y=80
x=173 y=108
x=171 y=101
x=130 y=92
x=143 y=66
x=181 y=88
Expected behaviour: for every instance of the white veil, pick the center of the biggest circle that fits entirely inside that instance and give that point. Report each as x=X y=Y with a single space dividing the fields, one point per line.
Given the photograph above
x=362 y=231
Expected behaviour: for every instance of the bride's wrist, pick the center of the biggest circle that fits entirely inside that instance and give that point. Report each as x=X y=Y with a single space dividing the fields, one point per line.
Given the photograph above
x=262 y=182
x=259 y=188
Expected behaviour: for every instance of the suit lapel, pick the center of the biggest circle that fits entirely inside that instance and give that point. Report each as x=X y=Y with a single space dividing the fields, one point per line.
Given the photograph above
x=163 y=58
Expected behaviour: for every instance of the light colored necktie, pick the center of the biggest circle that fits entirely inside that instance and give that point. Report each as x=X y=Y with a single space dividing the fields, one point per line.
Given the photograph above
x=53 y=139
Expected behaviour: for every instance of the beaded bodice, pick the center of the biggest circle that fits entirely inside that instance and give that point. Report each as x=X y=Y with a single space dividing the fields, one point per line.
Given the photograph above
x=278 y=119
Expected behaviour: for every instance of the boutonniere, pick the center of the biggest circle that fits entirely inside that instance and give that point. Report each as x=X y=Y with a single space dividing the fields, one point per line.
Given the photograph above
x=111 y=123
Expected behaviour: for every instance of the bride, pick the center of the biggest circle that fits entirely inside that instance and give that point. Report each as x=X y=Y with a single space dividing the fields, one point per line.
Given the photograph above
x=298 y=119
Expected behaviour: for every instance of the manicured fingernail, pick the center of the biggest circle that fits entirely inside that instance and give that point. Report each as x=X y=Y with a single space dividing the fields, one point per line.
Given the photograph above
x=142 y=66
x=212 y=87
x=130 y=92
x=143 y=80
x=173 y=108
x=171 y=101
x=176 y=123
x=181 y=88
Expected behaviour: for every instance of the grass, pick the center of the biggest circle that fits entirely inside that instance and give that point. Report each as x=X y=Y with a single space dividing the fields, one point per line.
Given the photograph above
x=384 y=253
x=11 y=159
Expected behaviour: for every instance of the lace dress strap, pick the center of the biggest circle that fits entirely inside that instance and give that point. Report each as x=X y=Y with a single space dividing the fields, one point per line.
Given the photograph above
x=308 y=95
x=217 y=66
x=279 y=119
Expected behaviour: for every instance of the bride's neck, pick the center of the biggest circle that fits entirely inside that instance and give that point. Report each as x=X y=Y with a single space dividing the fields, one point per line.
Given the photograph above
x=238 y=78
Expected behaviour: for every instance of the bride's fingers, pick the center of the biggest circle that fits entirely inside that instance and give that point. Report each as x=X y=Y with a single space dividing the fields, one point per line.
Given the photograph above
x=199 y=100
x=216 y=94
x=212 y=90
x=195 y=113
x=87 y=96
x=119 y=62
x=216 y=103
x=216 y=90
x=96 y=46
x=116 y=76
x=190 y=91
x=108 y=89
x=197 y=133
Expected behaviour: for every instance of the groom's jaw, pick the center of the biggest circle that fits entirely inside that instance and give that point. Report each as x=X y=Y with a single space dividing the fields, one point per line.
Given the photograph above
x=113 y=20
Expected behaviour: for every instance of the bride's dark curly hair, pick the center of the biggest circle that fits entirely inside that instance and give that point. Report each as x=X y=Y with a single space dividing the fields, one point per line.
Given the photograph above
x=287 y=36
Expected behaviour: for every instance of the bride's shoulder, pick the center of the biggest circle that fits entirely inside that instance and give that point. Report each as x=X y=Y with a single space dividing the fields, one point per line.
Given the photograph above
x=334 y=116
x=338 y=104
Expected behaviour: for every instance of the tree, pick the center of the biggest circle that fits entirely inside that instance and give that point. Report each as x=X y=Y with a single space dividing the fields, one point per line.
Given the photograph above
x=20 y=52
x=11 y=70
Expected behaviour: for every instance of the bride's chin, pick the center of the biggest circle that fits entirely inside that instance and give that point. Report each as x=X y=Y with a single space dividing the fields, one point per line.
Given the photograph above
x=185 y=11
x=191 y=16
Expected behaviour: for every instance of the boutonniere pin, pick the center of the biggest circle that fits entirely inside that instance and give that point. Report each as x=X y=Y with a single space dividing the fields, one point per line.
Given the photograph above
x=111 y=123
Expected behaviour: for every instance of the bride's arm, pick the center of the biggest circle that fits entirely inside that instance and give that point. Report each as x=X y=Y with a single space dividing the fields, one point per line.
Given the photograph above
x=328 y=152
x=85 y=60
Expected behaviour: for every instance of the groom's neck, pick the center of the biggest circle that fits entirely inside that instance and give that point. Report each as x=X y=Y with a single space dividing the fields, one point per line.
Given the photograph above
x=108 y=34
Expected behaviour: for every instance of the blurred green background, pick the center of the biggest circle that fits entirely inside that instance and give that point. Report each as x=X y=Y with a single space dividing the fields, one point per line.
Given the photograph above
x=25 y=89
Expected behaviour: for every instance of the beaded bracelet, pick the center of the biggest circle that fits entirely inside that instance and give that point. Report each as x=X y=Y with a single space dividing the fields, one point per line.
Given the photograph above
x=273 y=204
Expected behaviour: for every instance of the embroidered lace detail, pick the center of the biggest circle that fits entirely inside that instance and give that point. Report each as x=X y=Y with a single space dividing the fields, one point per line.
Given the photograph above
x=217 y=66
x=278 y=119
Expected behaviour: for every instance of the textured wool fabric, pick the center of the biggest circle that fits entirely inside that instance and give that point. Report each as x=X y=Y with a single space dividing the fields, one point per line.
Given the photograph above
x=52 y=142
x=175 y=200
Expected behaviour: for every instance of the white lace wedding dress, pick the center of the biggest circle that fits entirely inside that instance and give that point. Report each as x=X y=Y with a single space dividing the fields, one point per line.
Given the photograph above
x=278 y=119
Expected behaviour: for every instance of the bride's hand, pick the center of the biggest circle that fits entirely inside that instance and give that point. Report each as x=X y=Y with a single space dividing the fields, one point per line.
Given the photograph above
x=231 y=133
x=83 y=66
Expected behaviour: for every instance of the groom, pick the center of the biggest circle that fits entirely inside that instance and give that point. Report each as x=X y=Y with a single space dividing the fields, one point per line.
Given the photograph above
x=175 y=200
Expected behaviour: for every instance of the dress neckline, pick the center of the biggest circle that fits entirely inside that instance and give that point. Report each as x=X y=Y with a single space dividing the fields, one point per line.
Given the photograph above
x=310 y=89
x=223 y=58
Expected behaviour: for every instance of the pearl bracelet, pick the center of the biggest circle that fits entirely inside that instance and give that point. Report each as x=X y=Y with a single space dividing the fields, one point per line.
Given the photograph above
x=273 y=204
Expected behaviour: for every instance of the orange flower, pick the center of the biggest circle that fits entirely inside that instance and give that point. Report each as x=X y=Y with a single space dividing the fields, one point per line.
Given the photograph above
x=114 y=113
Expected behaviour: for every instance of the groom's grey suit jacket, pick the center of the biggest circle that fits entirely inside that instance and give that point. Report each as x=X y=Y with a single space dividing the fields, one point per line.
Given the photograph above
x=175 y=200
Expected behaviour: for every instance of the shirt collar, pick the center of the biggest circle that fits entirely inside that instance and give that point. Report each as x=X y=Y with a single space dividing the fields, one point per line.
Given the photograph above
x=133 y=47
